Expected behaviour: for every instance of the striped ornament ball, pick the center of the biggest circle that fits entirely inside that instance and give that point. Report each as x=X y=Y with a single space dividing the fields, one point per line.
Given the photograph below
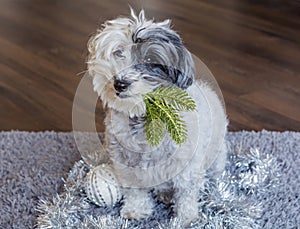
x=101 y=186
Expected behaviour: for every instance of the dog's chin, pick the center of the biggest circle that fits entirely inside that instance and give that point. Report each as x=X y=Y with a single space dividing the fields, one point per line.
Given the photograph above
x=131 y=105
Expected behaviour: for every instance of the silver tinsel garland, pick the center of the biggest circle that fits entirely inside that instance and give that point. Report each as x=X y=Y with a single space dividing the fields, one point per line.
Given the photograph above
x=229 y=202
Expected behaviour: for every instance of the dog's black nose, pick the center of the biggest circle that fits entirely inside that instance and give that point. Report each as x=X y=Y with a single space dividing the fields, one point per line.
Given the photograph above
x=121 y=85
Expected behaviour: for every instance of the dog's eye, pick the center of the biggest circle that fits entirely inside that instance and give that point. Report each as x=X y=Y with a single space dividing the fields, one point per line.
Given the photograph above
x=147 y=60
x=139 y=40
x=118 y=53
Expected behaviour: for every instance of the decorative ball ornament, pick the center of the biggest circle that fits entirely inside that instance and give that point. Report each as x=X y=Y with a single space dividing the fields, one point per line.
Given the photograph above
x=101 y=186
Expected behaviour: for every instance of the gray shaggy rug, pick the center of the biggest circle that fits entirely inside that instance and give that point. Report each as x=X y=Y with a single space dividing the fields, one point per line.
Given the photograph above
x=32 y=165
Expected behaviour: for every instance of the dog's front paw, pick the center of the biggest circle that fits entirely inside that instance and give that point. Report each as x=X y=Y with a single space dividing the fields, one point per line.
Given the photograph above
x=188 y=218
x=130 y=211
x=137 y=204
x=187 y=211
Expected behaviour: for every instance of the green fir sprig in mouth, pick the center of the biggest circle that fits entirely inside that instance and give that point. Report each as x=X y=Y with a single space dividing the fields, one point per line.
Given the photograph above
x=162 y=107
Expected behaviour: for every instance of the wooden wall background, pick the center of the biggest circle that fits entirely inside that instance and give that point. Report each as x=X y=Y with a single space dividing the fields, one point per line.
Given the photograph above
x=252 y=48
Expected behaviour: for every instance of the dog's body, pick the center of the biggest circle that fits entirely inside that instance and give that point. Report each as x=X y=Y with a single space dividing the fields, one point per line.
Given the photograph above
x=129 y=58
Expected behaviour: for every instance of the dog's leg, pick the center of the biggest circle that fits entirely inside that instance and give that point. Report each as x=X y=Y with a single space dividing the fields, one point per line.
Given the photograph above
x=186 y=205
x=138 y=204
x=186 y=197
x=218 y=166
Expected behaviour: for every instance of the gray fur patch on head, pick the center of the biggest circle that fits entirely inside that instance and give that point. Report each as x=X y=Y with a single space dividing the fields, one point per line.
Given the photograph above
x=160 y=53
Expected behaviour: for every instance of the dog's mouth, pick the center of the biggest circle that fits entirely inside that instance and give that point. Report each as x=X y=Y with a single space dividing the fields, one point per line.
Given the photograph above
x=121 y=95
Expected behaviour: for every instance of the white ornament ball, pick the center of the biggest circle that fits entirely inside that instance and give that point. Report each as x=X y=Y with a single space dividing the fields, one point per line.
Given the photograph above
x=101 y=186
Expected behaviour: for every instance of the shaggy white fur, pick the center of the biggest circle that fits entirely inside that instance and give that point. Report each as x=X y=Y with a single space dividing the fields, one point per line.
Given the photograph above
x=128 y=58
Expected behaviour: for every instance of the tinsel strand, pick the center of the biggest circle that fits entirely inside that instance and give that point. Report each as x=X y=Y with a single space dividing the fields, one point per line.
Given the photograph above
x=227 y=202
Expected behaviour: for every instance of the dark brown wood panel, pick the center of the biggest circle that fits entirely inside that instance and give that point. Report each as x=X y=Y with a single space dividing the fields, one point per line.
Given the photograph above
x=252 y=48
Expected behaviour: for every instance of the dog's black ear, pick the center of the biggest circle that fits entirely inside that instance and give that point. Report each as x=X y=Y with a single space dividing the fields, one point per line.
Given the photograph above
x=181 y=80
x=183 y=67
x=184 y=71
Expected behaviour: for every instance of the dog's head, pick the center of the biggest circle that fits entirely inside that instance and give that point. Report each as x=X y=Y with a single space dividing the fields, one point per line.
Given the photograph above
x=130 y=57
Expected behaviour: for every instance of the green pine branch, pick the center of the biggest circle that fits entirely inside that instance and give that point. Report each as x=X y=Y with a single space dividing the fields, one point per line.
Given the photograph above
x=155 y=128
x=162 y=107
x=175 y=97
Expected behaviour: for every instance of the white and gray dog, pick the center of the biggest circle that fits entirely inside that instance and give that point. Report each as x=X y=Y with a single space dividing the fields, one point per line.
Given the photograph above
x=128 y=58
